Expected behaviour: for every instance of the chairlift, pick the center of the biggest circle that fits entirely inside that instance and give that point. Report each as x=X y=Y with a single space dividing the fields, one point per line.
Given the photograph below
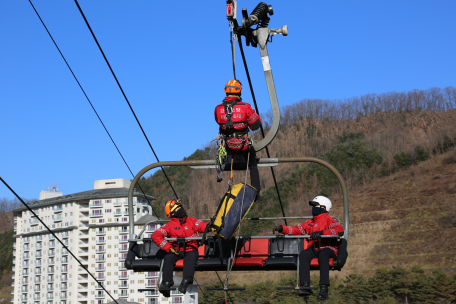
x=253 y=253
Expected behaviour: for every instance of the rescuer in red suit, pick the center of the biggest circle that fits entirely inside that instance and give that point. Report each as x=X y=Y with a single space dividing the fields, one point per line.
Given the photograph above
x=180 y=225
x=320 y=224
x=235 y=117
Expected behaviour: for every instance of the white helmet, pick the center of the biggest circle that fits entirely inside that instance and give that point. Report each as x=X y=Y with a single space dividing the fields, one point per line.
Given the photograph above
x=322 y=201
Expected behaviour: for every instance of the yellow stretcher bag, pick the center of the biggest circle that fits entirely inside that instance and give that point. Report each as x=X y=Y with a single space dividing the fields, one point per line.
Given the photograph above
x=229 y=215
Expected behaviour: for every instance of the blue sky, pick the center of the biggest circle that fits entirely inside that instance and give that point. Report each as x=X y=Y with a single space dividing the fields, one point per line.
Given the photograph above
x=173 y=60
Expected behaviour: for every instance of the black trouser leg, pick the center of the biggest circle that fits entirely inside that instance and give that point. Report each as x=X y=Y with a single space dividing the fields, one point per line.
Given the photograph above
x=169 y=261
x=253 y=168
x=190 y=264
x=305 y=257
x=323 y=259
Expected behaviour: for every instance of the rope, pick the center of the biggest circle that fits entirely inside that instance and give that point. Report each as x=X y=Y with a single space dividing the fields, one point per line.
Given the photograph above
x=233 y=53
x=240 y=222
x=261 y=126
x=96 y=113
x=223 y=286
x=36 y=216
x=124 y=95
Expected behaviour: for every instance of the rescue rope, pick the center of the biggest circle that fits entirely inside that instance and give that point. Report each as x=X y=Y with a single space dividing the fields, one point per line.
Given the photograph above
x=240 y=221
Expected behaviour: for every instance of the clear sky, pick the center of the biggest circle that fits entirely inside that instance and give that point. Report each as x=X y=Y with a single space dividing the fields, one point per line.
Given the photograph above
x=173 y=59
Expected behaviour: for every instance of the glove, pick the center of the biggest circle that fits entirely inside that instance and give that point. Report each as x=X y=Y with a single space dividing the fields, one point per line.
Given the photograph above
x=277 y=228
x=316 y=235
x=180 y=254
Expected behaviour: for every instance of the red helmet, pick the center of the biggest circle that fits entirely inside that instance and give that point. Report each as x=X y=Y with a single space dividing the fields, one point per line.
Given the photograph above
x=233 y=86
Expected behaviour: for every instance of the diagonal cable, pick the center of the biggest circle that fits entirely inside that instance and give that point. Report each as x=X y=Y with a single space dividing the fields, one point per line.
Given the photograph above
x=261 y=126
x=36 y=216
x=123 y=93
x=61 y=54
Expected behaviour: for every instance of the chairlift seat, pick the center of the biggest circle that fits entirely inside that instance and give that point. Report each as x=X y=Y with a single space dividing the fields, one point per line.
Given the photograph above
x=283 y=254
x=253 y=253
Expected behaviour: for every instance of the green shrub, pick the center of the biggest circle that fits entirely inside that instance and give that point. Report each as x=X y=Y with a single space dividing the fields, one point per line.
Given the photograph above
x=350 y=136
x=403 y=159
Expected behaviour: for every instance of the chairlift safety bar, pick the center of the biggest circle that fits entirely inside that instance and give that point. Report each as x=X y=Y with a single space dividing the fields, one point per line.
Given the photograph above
x=212 y=162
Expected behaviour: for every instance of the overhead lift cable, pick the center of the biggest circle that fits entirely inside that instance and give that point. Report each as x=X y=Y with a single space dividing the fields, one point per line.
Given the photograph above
x=99 y=118
x=36 y=216
x=123 y=93
x=239 y=39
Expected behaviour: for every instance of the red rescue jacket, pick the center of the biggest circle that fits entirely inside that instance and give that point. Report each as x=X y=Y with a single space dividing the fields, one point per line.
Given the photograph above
x=186 y=227
x=242 y=118
x=322 y=222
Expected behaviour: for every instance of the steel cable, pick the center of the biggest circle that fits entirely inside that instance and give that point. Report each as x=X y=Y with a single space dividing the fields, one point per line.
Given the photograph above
x=36 y=216
x=96 y=113
x=123 y=93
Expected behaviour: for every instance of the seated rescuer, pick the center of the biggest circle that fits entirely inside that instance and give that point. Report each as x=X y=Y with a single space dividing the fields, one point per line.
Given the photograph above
x=234 y=118
x=320 y=224
x=180 y=225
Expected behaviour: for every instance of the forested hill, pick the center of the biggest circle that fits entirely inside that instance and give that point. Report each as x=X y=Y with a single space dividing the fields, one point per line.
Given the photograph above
x=389 y=148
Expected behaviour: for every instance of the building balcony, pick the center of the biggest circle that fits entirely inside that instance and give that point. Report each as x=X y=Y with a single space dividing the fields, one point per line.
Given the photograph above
x=64 y=269
x=96 y=205
x=100 y=242
x=37 y=280
x=39 y=246
x=65 y=235
x=123 y=239
x=51 y=253
x=83 y=227
x=51 y=262
x=51 y=270
x=63 y=278
x=96 y=214
x=100 y=296
x=50 y=297
x=58 y=218
x=35 y=222
x=123 y=247
x=64 y=252
x=25 y=265
x=37 y=271
x=100 y=250
x=122 y=267
x=117 y=204
x=36 y=298
x=123 y=276
x=100 y=268
x=50 y=288
x=83 y=252
x=83 y=235
x=83 y=244
x=123 y=230
x=123 y=294
x=100 y=277
x=151 y=274
x=100 y=232
x=83 y=218
x=38 y=263
x=26 y=256
x=117 y=213
x=100 y=259
x=50 y=280
x=26 y=248
x=25 y=282
x=58 y=208
x=26 y=240
x=150 y=293
x=51 y=244
x=123 y=285
x=151 y=283
x=82 y=277
x=64 y=260
x=63 y=287
x=100 y=286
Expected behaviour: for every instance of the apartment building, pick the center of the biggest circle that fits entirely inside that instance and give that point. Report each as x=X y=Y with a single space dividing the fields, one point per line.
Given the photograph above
x=94 y=226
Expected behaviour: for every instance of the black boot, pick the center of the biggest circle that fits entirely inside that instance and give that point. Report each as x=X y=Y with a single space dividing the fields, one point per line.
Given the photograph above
x=323 y=295
x=164 y=288
x=304 y=292
x=183 y=286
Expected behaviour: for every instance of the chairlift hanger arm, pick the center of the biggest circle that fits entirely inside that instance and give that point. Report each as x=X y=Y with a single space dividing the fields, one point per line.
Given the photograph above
x=259 y=16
